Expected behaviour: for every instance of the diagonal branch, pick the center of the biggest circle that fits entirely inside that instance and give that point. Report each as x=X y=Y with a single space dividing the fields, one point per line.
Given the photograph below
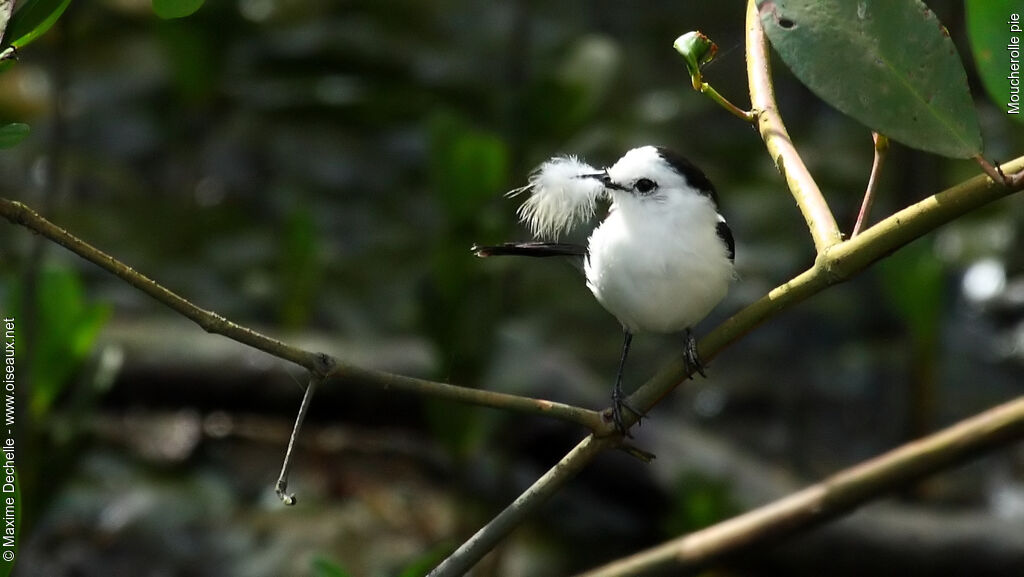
x=831 y=498
x=824 y=229
x=470 y=552
x=318 y=363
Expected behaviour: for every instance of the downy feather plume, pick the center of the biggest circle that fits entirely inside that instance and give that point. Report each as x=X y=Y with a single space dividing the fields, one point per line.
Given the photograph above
x=560 y=198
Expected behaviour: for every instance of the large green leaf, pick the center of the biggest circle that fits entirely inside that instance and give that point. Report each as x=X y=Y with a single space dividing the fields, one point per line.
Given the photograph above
x=32 y=19
x=13 y=133
x=990 y=29
x=168 y=9
x=888 y=63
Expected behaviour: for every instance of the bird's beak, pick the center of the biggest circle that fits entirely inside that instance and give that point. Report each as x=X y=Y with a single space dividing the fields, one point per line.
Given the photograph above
x=605 y=180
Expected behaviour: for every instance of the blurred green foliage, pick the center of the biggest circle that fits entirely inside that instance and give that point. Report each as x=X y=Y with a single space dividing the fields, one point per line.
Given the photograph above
x=468 y=168
x=699 y=501
x=913 y=284
x=65 y=326
x=301 y=268
x=325 y=567
x=988 y=28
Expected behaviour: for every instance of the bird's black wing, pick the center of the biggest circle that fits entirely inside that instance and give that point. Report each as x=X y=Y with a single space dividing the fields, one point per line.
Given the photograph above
x=534 y=249
x=725 y=233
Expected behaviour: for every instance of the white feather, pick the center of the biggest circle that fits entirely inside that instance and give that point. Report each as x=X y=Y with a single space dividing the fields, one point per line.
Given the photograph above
x=559 y=198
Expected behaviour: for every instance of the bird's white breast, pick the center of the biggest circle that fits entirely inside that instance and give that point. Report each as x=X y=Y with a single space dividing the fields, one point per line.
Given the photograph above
x=659 y=267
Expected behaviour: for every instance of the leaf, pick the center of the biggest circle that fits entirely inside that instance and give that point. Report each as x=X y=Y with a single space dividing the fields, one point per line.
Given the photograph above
x=887 y=63
x=6 y=6
x=168 y=9
x=12 y=134
x=32 y=19
x=990 y=31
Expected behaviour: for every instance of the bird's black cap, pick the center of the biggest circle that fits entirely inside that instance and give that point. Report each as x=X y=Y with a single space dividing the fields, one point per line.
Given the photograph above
x=694 y=176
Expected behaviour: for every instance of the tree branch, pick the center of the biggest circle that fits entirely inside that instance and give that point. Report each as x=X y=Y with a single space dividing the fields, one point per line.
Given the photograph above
x=210 y=322
x=832 y=497
x=593 y=420
x=318 y=363
x=822 y=224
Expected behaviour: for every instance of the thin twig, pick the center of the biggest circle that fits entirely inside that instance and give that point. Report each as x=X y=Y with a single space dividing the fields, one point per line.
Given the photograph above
x=351 y=375
x=839 y=494
x=881 y=148
x=709 y=91
x=1013 y=181
x=820 y=221
x=317 y=363
x=211 y=322
x=281 y=487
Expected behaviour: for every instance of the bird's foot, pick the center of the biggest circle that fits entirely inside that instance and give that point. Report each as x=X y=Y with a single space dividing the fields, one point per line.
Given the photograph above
x=619 y=403
x=691 y=357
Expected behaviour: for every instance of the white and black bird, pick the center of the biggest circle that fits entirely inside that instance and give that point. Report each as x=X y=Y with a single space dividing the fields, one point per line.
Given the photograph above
x=660 y=260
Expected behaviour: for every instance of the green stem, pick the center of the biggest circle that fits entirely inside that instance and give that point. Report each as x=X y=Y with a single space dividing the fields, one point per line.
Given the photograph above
x=710 y=92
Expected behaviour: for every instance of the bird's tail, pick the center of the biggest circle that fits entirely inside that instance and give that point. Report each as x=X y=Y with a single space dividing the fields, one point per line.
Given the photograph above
x=534 y=249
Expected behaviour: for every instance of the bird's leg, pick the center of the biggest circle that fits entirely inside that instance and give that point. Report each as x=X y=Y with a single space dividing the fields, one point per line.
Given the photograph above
x=690 y=355
x=618 y=397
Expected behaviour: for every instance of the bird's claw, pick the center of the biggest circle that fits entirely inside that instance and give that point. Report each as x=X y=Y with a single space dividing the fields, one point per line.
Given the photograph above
x=691 y=356
x=619 y=403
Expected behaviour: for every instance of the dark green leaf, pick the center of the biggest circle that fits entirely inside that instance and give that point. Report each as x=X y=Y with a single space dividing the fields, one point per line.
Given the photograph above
x=32 y=19
x=168 y=9
x=991 y=31
x=890 y=65
x=13 y=133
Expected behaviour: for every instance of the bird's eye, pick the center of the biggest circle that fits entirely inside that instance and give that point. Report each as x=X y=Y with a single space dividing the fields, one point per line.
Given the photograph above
x=645 y=185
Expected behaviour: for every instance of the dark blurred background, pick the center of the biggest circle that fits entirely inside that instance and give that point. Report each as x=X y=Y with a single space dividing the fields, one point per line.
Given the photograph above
x=318 y=170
